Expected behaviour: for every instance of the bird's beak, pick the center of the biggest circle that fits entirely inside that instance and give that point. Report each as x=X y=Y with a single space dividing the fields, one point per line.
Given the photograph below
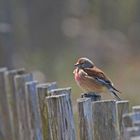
x=77 y=65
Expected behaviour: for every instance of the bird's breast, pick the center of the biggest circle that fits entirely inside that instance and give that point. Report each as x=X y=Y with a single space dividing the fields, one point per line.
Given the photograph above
x=77 y=77
x=86 y=83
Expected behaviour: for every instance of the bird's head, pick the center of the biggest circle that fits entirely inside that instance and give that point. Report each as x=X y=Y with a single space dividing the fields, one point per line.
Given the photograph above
x=83 y=63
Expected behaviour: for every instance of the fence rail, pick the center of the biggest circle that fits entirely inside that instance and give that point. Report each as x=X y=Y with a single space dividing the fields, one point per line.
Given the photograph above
x=33 y=111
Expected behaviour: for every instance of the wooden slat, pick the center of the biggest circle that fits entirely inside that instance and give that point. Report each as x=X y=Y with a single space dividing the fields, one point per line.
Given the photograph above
x=43 y=90
x=85 y=118
x=122 y=107
x=33 y=111
x=61 y=121
x=131 y=119
x=105 y=123
x=5 y=127
x=10 y=88
x=127 y=120
x=136 y=108
x=20 y=81
x=59 y=91
x=131 y=132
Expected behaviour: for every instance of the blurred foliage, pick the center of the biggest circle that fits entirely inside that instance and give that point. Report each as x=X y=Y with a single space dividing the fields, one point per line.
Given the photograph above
x=48 y=36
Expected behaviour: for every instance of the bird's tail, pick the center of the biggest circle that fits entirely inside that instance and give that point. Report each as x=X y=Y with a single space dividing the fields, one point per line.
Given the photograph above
x=116 y=96
x=113 y=91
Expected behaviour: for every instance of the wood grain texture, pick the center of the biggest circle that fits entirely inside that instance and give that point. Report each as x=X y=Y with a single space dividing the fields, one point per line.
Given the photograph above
x=131 y=132
x=136 y=108
x=136 y=111
x=105 y=124
x=21 y=104
x=61 y=118
x=59 y=91
x=131 y=119
x=33 y=111
x=43 y=91
x=122 y=107
x=85 y=118
x=127 y=120
x=5 y=127
x=10 y=88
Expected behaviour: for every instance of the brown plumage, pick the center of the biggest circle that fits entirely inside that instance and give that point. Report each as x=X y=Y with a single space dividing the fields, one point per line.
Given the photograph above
x=92 y=79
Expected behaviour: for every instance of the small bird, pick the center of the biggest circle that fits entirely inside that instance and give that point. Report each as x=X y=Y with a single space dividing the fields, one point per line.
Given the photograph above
x=92 y=79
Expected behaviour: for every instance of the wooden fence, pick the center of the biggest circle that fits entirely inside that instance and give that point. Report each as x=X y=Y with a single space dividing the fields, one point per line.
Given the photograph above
x=33 y=111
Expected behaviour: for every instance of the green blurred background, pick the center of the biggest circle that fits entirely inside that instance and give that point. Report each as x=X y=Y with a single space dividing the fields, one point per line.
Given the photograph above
x=48 y=36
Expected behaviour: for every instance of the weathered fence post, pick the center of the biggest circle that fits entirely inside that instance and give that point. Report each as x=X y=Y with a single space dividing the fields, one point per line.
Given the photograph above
x=122 y=107
x=27 y=107
x=85 y=119
x=136 y=108
x=43 y=90
x=105 y=124
x=132 y=124
x=61 y=120
x=59 y=91
x=10 y=89
x=5 y=127
x=131 y=119
x=33 y=111
x=132 y=133
x=20 y=81
x=136 y=111
x=85 y=114
x=127 y=120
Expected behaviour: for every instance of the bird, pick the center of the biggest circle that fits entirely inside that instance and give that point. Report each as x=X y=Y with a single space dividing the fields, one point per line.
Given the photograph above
x=92 y=79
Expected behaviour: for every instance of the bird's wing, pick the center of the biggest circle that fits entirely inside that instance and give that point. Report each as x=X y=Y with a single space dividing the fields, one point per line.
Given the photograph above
x=100 y=76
